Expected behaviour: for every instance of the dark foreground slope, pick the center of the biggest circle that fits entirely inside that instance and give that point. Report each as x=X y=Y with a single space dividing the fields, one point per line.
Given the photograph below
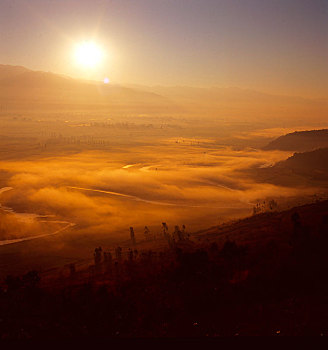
x=300 y=141
x=265 y=275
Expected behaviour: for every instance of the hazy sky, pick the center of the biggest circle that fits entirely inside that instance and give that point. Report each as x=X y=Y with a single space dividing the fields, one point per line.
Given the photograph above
x=271 y=45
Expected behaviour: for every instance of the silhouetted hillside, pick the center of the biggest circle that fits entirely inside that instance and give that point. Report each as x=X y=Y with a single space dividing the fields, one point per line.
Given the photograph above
x=313 y=165
x=301 y=169
x=265 y=275
x=300 y=141
x=308 y=162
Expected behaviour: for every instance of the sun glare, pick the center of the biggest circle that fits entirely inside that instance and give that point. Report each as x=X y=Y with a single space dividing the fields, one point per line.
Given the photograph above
x=88 y=54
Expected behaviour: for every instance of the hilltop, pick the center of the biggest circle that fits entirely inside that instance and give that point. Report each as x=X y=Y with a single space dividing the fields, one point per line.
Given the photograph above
x=301 y=169
x=313 y=163
x=300 y=141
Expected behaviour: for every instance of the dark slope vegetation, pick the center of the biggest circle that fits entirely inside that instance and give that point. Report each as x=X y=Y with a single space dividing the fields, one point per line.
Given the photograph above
x=300 y=141
x=265 y=275
x=307 y=168
x=314 y=163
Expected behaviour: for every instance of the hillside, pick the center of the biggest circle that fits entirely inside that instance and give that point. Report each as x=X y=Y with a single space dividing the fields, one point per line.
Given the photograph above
x=300 y=141
x=308 y=163
x=258 y=230
x=265 y=275
x=299 y=170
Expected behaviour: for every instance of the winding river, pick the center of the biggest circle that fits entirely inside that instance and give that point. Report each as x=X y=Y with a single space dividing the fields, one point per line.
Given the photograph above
x=30 y=216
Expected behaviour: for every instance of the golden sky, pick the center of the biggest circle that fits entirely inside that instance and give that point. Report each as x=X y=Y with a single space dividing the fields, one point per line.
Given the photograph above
x=276 y=46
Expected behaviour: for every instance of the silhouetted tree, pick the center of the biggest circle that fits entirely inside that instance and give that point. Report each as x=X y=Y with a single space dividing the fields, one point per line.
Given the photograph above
x=147 y=233
x=133 y=239
x=178 y=234
x=130 y=255
x=273 y=204
x=97 y=257
x=165 y=230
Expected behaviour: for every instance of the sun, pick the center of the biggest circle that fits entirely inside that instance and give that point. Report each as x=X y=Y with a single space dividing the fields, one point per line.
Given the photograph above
x=88 y=54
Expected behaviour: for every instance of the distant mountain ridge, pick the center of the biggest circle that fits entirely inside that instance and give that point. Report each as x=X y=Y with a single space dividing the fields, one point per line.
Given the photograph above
x=20 y=86
x=24 y=90
x=300 y=141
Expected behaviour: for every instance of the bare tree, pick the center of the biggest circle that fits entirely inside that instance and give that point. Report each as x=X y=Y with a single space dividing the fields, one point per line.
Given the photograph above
x=147 y=233
x=133 y=239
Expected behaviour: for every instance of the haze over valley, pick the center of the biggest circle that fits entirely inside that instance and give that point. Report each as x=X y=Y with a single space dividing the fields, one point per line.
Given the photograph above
x=163 y=168
x=107 y=168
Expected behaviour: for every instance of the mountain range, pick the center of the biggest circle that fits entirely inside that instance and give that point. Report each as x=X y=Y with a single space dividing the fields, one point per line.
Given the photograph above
x=25 y=89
